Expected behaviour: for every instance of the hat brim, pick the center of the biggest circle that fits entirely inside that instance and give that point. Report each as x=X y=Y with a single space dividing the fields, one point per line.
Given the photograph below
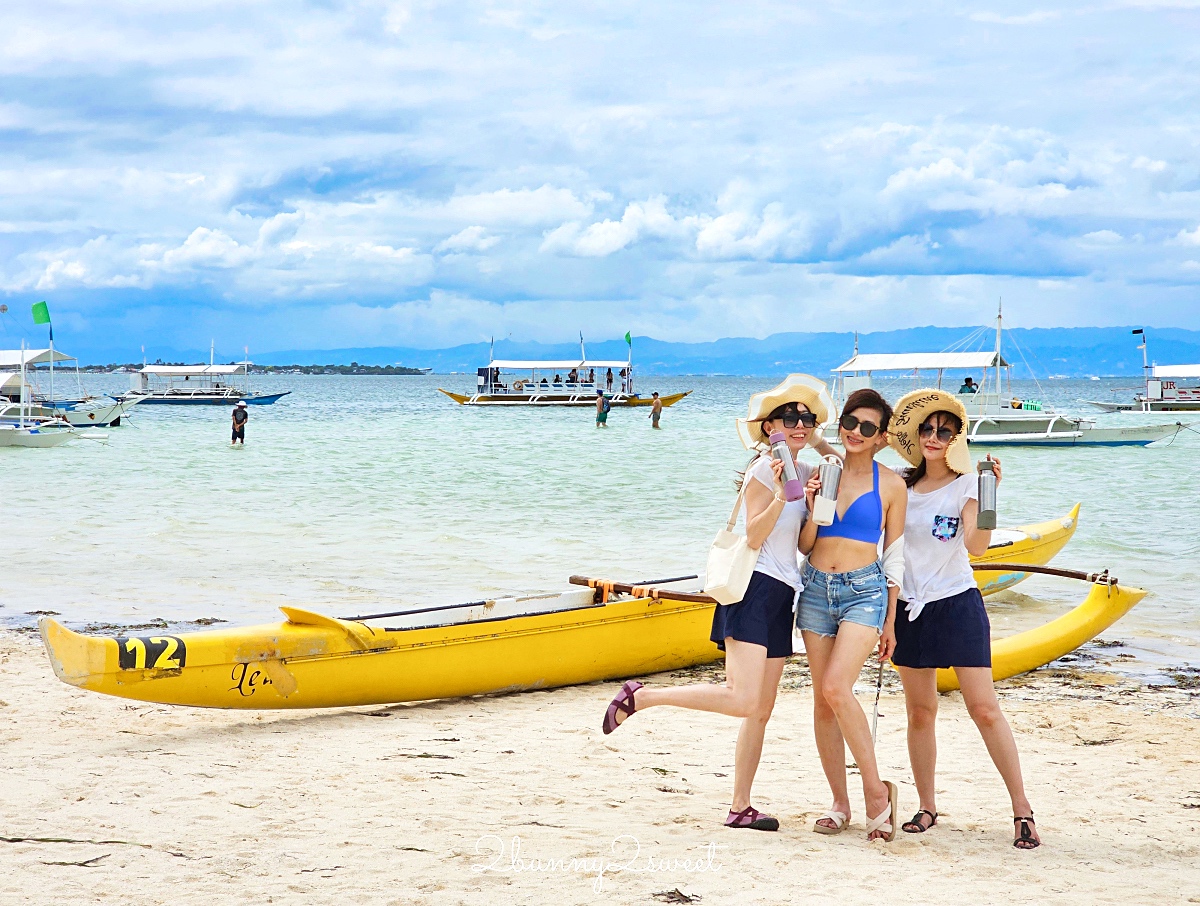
x=910 y=413
x=805 y=389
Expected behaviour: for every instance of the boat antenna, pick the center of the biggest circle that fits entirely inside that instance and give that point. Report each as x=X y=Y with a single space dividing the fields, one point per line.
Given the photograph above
x=1141 y=331
x=582 y=351
x=491 y=350
x=212 y=350
x=999 y=324
x=856 y=342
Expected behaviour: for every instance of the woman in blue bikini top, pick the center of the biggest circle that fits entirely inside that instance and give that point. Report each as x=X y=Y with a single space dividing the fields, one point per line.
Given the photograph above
x=847 y=609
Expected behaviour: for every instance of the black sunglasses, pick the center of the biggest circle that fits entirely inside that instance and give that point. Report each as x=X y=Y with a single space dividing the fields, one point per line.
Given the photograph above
x=792 y=417
x=944 y=434
x=866 y=429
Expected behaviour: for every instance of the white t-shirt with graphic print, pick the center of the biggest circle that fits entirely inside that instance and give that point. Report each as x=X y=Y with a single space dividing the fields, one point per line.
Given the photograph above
x=936 y=563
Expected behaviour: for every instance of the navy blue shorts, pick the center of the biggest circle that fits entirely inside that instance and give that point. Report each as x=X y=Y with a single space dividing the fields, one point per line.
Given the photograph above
x=762 y=617
x=952 y=632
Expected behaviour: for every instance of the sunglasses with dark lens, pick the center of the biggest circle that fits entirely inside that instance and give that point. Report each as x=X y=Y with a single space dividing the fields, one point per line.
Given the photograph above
x=866 y=429
x=944 y=434
x=791 y=418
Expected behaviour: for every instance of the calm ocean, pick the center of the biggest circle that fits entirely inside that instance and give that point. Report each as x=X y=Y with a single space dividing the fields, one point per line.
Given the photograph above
x=369 y=494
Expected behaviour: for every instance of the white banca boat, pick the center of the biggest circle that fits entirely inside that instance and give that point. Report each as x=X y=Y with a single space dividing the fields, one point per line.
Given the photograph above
x=1162 y=392
x=565 y=382
x=18 y=368
x=998 y=416
x=182 y=385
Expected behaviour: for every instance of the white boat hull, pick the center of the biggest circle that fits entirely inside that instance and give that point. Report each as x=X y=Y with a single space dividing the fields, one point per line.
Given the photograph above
x=14 y=436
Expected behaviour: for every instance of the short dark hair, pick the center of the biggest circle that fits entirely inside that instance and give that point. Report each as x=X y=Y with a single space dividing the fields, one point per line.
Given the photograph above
x=867 y=398
x=655 y=393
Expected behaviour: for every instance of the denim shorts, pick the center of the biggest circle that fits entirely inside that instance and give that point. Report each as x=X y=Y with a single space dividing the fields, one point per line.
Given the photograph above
x=830 y=599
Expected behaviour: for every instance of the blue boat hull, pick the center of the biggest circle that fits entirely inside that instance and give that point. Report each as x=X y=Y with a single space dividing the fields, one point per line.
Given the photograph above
x=261 y=400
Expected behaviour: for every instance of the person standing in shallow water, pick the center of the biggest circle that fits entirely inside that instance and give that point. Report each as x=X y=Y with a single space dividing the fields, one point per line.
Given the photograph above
x=240 y=417
x=655 y=410
x=602 y=407
x=942 y=622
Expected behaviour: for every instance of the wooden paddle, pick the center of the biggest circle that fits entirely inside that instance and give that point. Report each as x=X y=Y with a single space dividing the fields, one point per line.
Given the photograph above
x=1100 y=578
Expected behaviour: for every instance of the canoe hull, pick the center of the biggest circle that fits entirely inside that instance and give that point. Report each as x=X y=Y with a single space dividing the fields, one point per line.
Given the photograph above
x=1027 y=651
x=339 y=664
x=579 y=400
x=1042 y=542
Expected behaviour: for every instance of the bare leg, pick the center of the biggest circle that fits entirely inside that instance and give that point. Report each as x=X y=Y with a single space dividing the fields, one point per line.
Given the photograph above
x=745 y=670
x=750 y=736
x=830 y=745
x=979 y=694
x=921 y=702
x=853 y=645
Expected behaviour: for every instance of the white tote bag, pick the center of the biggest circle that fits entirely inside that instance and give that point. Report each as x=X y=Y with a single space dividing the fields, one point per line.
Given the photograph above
x=731 y=559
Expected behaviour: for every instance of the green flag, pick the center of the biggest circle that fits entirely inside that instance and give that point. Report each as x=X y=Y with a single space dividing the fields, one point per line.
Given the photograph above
x=628 y=338
x=41 y=313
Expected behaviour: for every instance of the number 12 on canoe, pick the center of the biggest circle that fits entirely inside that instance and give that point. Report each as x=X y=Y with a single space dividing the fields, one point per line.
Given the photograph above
x=157 y=652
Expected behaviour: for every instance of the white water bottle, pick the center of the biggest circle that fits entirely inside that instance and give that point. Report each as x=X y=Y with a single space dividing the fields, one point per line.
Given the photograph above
x=825 y=503
x=793 y=489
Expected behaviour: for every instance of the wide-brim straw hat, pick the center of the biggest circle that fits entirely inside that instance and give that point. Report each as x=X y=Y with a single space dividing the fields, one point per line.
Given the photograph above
x=795 y=388
x=911 y=412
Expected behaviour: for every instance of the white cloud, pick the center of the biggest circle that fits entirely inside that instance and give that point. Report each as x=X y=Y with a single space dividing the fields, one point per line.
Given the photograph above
x=1036 y=17
x=469 y=239
x=206 y=248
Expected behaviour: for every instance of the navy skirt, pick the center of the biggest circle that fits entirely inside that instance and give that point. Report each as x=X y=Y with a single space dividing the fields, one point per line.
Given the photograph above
x=763 y=617
x=952 y=632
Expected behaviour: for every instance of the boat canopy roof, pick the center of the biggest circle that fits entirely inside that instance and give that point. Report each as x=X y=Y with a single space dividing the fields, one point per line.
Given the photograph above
x=11 y=358
x=192 y=370
x=10 y=381
x=563 y=365
x=921 y=361
x=1176 y=371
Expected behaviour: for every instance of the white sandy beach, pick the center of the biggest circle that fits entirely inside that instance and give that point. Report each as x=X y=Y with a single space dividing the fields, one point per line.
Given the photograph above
x=410 y=804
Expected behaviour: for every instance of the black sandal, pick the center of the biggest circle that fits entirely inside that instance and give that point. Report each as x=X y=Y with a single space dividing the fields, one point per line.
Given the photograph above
x=1026 y=840
x=916 y=825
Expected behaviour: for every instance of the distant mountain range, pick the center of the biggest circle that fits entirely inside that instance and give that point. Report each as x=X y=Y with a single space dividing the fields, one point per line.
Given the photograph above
x=1037 y=352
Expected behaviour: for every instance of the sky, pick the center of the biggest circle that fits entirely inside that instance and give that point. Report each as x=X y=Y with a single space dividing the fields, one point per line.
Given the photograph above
x=329 y=174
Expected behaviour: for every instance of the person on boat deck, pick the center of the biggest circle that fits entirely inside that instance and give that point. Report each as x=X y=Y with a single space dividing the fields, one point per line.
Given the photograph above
x=572 y=376
x=591 y=376
x=968 y=386
x=756 y=632
x=609 y=379
x=602 y=407
x=848 y=607
x=943 y=622
x=558 y=378
x=240 y=417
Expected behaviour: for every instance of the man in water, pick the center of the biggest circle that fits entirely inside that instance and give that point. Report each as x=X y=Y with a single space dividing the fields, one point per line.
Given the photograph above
x=968 y=386
x=240 y=416
x=602 y=407
x=655 y=410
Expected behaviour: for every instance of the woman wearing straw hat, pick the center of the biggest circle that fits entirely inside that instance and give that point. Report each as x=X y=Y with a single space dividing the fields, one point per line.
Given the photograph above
x=944 y=623
x=848 y=607
x=756 y=632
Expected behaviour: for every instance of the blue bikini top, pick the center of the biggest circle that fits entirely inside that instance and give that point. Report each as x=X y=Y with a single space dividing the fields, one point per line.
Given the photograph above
x=863 y=520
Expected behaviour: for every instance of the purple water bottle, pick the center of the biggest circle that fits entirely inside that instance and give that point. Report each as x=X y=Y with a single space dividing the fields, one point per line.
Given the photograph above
x=793 y=489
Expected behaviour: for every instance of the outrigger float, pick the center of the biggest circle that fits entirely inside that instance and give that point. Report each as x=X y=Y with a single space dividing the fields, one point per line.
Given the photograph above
x=600 y=631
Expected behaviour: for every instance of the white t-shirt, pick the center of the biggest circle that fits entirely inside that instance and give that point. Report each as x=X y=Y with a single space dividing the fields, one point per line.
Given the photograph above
x=779 y=557
x=936 y=563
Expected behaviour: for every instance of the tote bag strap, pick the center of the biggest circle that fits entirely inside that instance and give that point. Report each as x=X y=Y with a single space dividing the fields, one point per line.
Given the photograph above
x=737 y=504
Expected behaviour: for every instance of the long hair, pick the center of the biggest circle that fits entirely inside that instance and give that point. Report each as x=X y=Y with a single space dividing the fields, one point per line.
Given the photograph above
x=917 y=472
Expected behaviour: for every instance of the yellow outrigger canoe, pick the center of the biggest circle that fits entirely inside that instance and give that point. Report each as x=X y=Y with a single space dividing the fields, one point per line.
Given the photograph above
x=511 y=644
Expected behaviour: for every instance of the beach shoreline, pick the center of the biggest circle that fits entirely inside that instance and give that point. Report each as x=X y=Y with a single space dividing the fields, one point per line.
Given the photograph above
x=519 y=798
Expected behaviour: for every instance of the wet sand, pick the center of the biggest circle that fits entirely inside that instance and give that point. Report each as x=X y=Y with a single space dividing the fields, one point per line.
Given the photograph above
x=421 y=803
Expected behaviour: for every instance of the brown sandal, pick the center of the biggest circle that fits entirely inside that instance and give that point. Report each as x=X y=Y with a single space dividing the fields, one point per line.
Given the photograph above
x=1027 y=839
x=917 y=825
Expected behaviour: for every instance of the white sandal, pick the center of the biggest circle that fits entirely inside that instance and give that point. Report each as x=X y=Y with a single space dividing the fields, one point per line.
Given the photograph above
x=886 y=821
x=837 y=818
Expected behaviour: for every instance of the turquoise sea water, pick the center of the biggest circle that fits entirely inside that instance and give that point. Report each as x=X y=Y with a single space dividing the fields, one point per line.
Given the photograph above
x=366 y=494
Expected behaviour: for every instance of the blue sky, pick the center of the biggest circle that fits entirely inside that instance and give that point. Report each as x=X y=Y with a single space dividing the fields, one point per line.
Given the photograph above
x=298 y=175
